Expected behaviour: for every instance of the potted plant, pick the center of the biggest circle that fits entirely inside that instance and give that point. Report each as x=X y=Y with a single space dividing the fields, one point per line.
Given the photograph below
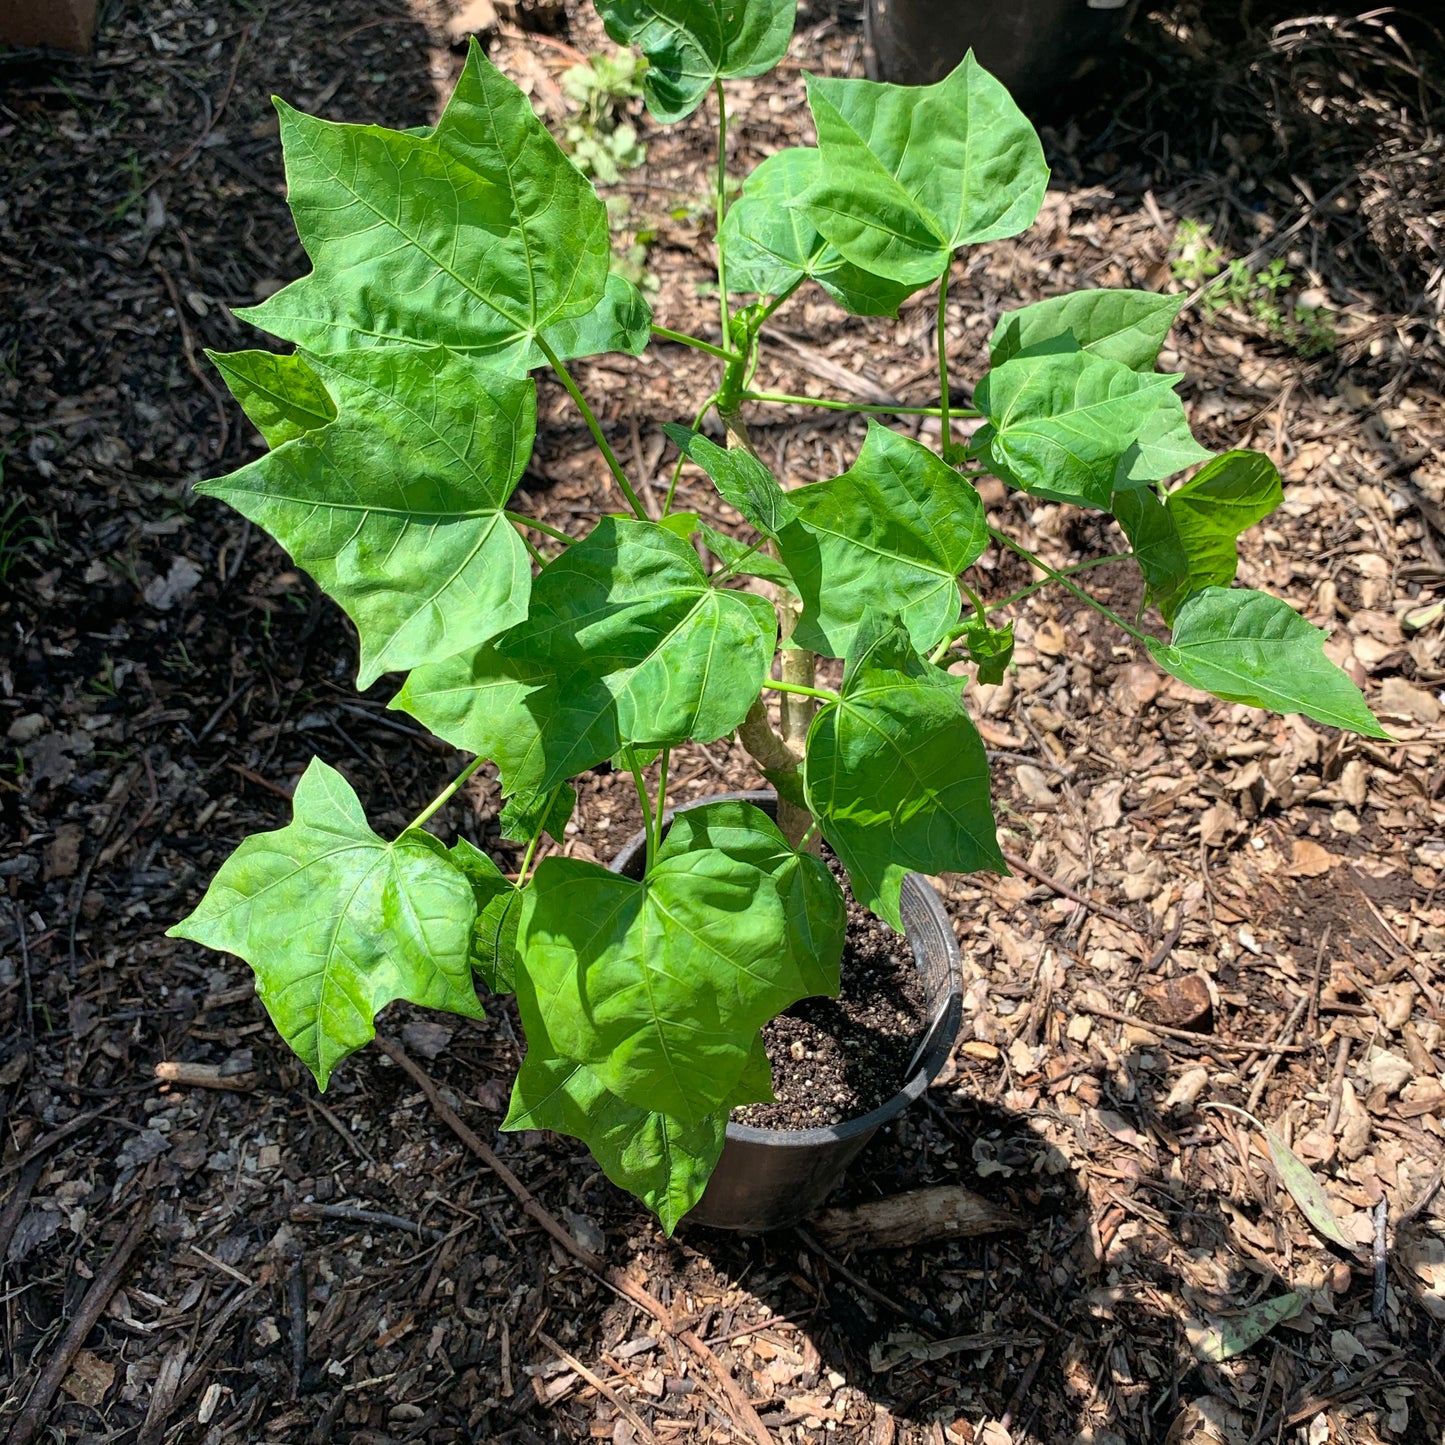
x=448 y=264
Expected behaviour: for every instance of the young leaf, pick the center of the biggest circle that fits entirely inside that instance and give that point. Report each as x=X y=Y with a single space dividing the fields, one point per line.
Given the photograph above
x=891 y=534
x=991 y=649
x=1219 y=1339
x=396 y=506
x=626 y=642
x=1124 y=326
x=661 y=1160
x=1215 y=505
x=743 y=482
x=1305 y=1190
x=337 y=923
x=813 y=904
x=639 y=981
x=479 y=235
x=281 y=395
x=910 y=173
x=1252 y=648
x=1062 y=420
x=896 y=772
x=1165 y=445
x=621 y=321
x=769 y=243
x=691 y=43
x=746 y=561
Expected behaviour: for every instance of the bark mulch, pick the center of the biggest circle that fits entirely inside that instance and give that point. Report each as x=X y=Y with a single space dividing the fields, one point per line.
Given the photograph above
x=1209 y=905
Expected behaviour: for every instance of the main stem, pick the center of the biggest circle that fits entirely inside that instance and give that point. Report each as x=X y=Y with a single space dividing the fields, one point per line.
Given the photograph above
x=1063 y=580
x=565 y=377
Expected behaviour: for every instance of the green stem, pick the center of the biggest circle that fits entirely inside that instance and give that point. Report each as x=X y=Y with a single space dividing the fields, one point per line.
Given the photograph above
x=1064 y=572
x=797 y=687
x=777 y=301
x=532 y=550
x=722 y=206
x=944 y=421
x=445 y=796
x=527 y=859
x=662 y=791
x=697 y=421
x=979 y=610
x=735 y=567
x=1054 y=576
x=649 y=822
x=780 y=399
x=696 y=342
x=608 y=455
x=517 y=519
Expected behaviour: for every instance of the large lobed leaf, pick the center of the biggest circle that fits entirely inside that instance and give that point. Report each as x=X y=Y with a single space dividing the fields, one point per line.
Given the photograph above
x=396 y=506
x=661 y=1160
x=1060 y=420
x=1253 y=648
x=479 y=235
x=691 y=43
x=896 y=773
x=910 y=173
x=769 y=243
x=1188 y=540
x=1124 y=326
x=889 y=535
x=626 y=642
x=337 y=922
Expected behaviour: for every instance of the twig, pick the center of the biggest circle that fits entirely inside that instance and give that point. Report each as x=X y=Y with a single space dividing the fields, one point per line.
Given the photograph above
x=1380 y=1258
x=1286 y=1036
x=347 y=1137
x=906 y=1312
x=353 y=1215
x=1025 y=1384
x=1166 y=946
x=15 y=1205
x=1337 y=1085
x=1233 y=1045
x=29 y=1420
x=747 y=1416
x=1024 y=866
x=296 y=1308
x=203 y=1076
x=48 y=1141
x=600 y=1385
x=1412 y=1213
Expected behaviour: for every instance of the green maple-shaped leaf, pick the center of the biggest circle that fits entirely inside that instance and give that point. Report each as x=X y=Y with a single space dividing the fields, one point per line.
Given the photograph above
x=1059 y=421
x=911 y=172
x=479 y=234
x=1189 y=540
x=817 y=916
x=337 y=923
x=896 y=772
x=626 y=642
x=1249 y=647
x=891 y=534
x=658 y=985
x=1165 y=445
x=396 y=507
x=691 y=43
x=661 y=1160
x=281 y=395
x=1124 y=326
x=769 y=244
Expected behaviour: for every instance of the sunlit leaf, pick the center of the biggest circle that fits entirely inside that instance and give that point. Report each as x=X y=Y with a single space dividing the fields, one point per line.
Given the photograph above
x=1124 y=326
x=281 y=395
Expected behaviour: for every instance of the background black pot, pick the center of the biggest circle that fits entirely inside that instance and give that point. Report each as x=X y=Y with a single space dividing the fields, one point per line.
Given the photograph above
x=1036 y=47
x=768 y=1178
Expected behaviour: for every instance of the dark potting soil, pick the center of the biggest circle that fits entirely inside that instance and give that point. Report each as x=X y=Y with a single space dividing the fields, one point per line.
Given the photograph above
x=837 y=1058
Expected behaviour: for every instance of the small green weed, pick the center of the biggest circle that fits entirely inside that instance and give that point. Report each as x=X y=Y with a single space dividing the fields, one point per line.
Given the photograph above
x=602 y=140
x=19 y=532
x=1261 y=295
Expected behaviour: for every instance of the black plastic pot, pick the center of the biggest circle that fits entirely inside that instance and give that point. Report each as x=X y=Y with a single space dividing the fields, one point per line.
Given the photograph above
x=769 y=1178
x=1036 y=47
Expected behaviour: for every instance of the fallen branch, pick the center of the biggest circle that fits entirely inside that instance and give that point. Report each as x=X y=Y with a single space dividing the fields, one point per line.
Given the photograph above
x=946 y=1212
x=614 y=1278
x=203 y=1076
x=29 y=1420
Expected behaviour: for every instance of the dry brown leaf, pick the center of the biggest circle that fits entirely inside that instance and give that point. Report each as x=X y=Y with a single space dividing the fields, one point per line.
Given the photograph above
x=1310 y=860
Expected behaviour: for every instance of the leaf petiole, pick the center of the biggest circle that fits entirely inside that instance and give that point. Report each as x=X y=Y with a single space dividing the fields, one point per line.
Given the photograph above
x=445 y=796
x=820 y=692
x=945 y=425
x=775 y=398
x=649 y=821
x=518 y=520
x=663 y=333
x=594 y=426
x=1063 y=580
x=722 y=207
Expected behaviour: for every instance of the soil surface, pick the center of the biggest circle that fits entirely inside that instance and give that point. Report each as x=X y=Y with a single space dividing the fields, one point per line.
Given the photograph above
x=836 y=1058
x=260 y=1262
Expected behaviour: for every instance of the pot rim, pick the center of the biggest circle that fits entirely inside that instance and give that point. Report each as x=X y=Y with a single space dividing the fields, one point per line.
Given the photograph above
x=924 y=900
